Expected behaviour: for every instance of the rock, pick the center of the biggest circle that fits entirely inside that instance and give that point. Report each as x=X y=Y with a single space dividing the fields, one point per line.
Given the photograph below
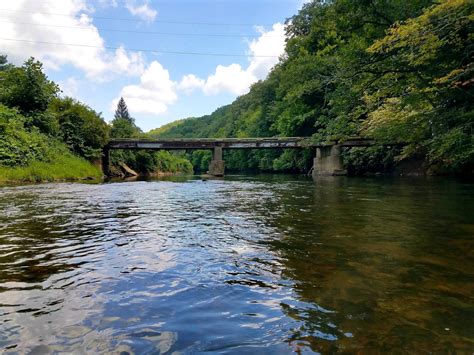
x=127 y=170
x=116 y=171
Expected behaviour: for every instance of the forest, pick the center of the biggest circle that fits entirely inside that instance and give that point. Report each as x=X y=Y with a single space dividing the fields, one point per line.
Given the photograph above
x=397 y=71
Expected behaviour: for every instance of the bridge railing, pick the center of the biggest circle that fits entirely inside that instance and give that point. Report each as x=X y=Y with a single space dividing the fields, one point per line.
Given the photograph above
x=260 y=142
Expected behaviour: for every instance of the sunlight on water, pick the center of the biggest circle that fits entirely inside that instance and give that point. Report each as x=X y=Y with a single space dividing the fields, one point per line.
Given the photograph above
x=266 y=264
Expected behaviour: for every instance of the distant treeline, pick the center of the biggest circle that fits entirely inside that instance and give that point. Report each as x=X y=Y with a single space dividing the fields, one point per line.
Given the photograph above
x=395 y=70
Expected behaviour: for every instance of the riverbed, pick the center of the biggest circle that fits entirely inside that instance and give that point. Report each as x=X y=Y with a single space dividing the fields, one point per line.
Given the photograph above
x=244 y=264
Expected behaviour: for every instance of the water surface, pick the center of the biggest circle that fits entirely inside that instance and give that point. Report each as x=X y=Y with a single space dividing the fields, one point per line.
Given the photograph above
x=253 y=264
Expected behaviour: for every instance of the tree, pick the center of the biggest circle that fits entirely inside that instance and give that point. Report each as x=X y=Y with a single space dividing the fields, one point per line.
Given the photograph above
x=421 y=86
x=4 y=65
x=81 y=128
x=122 y=111
x=27 y=87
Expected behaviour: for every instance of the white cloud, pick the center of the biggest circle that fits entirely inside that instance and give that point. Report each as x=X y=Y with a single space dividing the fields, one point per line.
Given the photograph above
x=156 y=91
x=271 y=43
x=190 y=82
x=107 y=3
x=96 y=62
x=230 y=78
x=138 y=8
x=141 y=9
x=153 y=94
x=131 y=63
x=263 y=55
x=70 y=86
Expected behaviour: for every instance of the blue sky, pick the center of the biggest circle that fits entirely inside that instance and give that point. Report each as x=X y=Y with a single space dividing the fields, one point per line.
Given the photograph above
x=103 y=49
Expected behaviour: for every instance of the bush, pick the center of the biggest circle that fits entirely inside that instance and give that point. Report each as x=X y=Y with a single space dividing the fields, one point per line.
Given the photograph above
x=200 y=159
x=162 y=161
x=81 y=128
x=28 y=155
x=27 y=88
x=19 y=146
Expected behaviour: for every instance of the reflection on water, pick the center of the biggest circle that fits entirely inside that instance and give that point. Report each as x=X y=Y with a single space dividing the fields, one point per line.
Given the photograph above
x=259 y=264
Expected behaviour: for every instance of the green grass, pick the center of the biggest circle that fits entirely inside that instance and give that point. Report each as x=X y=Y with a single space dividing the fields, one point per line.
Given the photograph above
x=27 y=155
x=63 y=167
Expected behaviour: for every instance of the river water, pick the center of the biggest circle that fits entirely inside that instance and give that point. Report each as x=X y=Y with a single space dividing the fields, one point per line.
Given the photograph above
x=246 y=264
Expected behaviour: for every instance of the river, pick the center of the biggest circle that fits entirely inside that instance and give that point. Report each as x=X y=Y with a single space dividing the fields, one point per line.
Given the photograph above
x=244 y=264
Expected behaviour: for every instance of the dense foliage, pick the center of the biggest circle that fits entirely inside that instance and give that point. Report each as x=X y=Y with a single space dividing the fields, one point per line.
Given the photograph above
x=38 y=108
x=26 y=154
x=44 y=136
x=81 y=128
x=399 y=71
x=421 y=85
x=19 y=145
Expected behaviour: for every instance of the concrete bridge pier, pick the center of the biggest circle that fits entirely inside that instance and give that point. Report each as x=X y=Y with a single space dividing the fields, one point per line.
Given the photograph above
x=216 y=166
x=106 y=161
x=328 y=161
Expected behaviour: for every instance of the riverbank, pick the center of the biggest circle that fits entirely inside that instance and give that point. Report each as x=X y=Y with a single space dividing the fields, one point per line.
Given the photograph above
x=63 y=168
x=123 y=171
x=68 y=168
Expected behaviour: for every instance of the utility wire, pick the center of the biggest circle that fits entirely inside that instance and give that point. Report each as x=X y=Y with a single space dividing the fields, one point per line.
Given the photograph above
x=141 y=32
x=136 y=20
x=141 y=49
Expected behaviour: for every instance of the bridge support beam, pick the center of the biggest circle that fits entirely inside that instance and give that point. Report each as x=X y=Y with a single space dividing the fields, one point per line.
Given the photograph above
x=328 y=161
x=106 y=161
x=217 y=166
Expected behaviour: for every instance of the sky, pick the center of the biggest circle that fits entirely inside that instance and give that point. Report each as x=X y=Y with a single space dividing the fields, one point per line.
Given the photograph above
x=169 y=59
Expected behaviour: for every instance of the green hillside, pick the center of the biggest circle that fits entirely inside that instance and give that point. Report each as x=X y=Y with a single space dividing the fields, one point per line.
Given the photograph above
x=395 y=70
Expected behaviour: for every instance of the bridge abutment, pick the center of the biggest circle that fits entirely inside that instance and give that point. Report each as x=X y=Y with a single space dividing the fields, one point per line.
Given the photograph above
x=328 y=161
x=217 y=165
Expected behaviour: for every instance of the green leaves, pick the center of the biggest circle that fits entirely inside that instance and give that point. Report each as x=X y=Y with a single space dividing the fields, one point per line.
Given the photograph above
x=420 y=85
x=26 y=88
x=20 y=146
x=81 y=128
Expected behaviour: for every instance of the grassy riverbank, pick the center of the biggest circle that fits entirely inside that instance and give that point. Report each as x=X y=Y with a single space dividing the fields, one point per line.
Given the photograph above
x=66 y=167
x=28 y=155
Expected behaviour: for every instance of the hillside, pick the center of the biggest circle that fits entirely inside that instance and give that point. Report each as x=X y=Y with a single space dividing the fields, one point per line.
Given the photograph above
x=393 y=70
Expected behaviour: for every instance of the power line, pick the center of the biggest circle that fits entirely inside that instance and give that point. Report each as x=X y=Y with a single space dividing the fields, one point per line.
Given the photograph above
x=141 y=32
x=141 y=49
x=136 y=20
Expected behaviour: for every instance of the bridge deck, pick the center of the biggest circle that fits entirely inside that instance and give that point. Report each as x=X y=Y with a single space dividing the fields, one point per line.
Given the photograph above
x=229 y=143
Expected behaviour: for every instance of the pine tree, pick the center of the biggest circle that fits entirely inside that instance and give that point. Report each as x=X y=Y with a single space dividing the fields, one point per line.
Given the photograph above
x=122 y=111
x=3 y=62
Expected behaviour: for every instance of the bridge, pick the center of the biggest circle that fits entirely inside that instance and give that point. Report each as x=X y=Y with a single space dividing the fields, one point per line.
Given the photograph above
x=326 y=162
